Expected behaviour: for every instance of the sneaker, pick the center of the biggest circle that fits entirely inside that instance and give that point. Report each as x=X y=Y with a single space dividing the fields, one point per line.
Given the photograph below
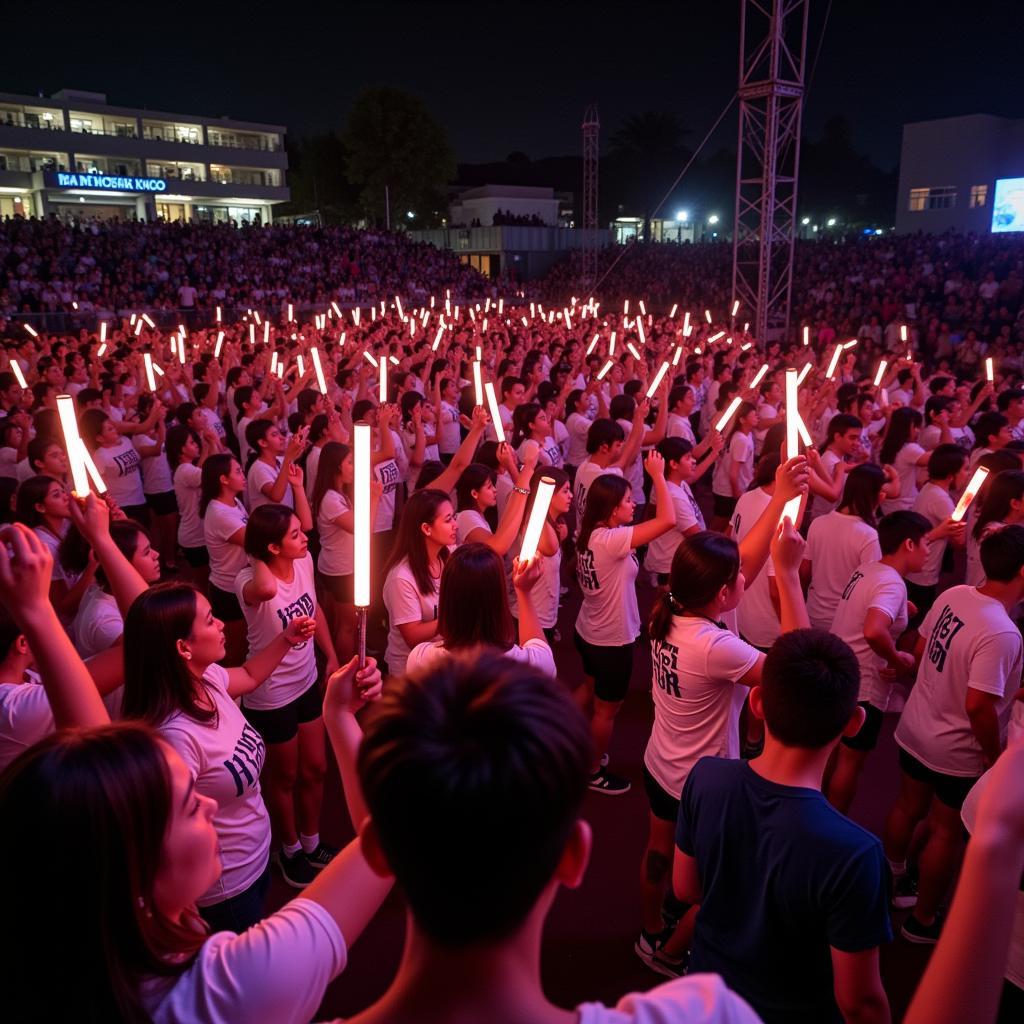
x=297 y=870
x=321 y=856
x=922 y=934
x=604 y=781
x=669 y=967
x=650 y=949
x=647 y=945
x=904 y=892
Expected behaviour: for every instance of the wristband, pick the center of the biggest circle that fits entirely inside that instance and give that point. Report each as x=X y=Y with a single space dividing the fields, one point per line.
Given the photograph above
x=521 y=490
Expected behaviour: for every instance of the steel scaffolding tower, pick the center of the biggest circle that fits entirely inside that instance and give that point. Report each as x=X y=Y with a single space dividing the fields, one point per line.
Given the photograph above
x=773 y=46
x=591 y=146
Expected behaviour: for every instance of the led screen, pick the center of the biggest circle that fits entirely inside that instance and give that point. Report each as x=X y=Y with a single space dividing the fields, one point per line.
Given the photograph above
x=1008 y=205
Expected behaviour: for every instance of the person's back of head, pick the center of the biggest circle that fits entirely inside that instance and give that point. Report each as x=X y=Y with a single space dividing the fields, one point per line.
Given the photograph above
x=946 y=460
x=1008 y=396
x=474 y=773
x=900 y=526
x=808 y=689
x=1002 y=554
x=603 y=432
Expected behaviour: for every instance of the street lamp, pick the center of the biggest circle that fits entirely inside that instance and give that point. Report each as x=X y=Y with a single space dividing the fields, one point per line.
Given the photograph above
x=682 y=216
x=806 y=221
x=713 y=219
x=831 y=222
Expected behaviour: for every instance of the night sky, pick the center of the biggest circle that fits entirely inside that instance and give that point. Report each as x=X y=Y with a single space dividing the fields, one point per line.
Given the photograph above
x=517 y=77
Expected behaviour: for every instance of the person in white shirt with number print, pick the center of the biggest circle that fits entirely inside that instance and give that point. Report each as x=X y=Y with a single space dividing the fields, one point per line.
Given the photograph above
x=275 y=587
x=412 y=573
x=702 y=672
x=954 y=724
x=870 y=618
x=116 y=458
x=608 y=623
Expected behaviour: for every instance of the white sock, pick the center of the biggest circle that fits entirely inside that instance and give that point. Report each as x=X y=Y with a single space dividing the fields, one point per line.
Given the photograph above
x=290 y=849
x=309 y=843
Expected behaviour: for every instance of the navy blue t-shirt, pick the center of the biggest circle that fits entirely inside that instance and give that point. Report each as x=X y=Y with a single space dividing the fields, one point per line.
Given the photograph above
x=785 y=876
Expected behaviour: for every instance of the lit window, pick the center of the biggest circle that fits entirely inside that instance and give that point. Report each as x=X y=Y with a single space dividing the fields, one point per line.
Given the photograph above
x=942 y=198
x=918 y=198
x=979 y=195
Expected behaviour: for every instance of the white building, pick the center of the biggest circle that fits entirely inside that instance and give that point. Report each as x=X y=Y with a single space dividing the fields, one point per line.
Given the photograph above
x=75 y=154
x=962 y=174
x=478 y=206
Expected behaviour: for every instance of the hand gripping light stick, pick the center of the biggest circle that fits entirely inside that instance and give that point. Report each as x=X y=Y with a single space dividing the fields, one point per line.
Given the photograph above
x=478 y=385
x=793 y=424
x=538 y=516
x=662 y=370
x=970 y=494
x=726 y=416
x=492 y=405
x=361 y=530
x=314 y=353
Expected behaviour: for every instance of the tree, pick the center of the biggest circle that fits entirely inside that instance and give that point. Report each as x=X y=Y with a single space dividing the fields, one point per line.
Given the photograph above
x=393 y=141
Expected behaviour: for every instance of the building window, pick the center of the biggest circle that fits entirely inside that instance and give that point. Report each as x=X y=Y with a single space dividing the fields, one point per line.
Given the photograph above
x=979 y=195
x=941 y=197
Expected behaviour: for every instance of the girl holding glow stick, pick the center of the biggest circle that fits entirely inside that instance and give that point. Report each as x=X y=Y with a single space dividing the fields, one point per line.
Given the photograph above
x=476 y=492
x=734 y=469
x=186 y=454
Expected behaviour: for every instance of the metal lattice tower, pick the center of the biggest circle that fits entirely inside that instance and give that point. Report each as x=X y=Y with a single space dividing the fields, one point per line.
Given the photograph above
x=591 y=146
x=773 y=47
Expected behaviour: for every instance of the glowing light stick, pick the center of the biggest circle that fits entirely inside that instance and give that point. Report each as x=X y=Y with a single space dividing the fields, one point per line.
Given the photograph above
x=492 y=406
x=145 y=316
x=16 y=370
x=398 y=306
x=625 y=308
x=218 y=314
x=672 y=315
x=632 y=350
x=707 y=314
x=716 y=336
x=131 y=322
x=273 y=362
x=266 y=332
x=103 y=330
x=881 y=372
x=90 y=468
x=478 y=385
x=73 y=444
x=658 y=377
x=524 y=320
x=759 y=376
x=989 y=371
x=368 y=356
x=807 y=335
x=150 y=379
x=302 y=365
x=501 y=306
x=677 y=355
x=382 y=365
x=158 y=371
x=361 y=527
x=640 y=332
x=744 y=346
x=314 y=353
x=611 y=345
x=723 y=420
x=603 y=372
x=593 y=344
x=252 y=335
x=356 y=313
x=484 y=328
x=970 y=494
x=102 y=349
x=686 y=322
x=834 y=362
x=219 y=345
x=139 y=324
x=290 y=311
x=479 y=355
x=437 y=338
x=850 y=344
x=181 y=350
x=735 y=307
x=803 y=373
x=903 y=332
x=643 y=308
x=793 y=423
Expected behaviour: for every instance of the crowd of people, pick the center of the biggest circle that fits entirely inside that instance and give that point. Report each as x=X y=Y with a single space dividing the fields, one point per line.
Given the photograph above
x=179 y=651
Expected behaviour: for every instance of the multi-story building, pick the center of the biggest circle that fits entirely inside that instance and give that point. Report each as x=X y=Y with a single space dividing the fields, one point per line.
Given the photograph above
x=962 y=174
x=73 y=153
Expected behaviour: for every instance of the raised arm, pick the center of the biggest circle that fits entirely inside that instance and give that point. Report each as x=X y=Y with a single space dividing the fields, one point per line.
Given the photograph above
x=790 y=482
x=449 y=477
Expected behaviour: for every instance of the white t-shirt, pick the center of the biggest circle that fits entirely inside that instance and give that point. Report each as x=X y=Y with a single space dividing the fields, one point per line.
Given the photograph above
x=225 y=756
x=908 y=471
x=936 y=505
x=661 y=550
x=970 y=642
x=550 y=452
x=975 y=571
x=405 y=604
x=226 y=559
x=310 y=471
x=187 y=481
x=695 y=999
x=634 y=472
x=25 y=717
x=156 y=473
x=296 y=672
x=820 y=506
x=213 y=421
x=680 y=426
x=449 y=435
x=274 y=973
x=390 y=476
x=337 y=545
x=931 y=436
x=836 y=545
x=756 y=615
x=260 y=474
x=120 y=467
x=468 y=520
x=98 y=623
x=546 y=592
x=578 y=426
x=872 y=585
x=607 y=570
x=696 y=700
x=586 y=474
x=741 y=451
x=535 y=653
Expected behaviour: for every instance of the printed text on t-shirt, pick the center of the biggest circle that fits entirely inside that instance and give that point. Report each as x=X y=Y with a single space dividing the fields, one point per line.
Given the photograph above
x=946 y=627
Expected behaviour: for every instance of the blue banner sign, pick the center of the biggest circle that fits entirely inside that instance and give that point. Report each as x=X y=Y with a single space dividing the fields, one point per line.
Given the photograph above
x=103 y=182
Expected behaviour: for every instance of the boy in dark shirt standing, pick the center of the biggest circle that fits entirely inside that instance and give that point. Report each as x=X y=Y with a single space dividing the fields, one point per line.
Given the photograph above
x=793 y=896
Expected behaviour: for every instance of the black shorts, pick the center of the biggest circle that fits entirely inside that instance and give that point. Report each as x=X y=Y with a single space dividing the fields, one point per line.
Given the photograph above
x=951 y=790
x=724 y=507
x=165 y=504
x=196 y=557
x=664 y=806
x=140 y=513
x=867 y=738
x=225 y=605
x=922 y=598
x=339 y=587
x=279 y=725
x=610 y=667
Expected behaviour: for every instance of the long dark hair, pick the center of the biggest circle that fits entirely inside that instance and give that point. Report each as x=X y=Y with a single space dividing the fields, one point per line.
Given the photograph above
x=862 y=491
x=473 y=477
x=553 y=473
x=332 y=456
x=90 y=423
x=32 y=492
x=703 y=563
x=605 y=494
x=410 y=543
x=98 y=801
x=267 y=525
x=523 y=416
x=898 y=433
x=214 y=468
x=73 y=551
x=1001 y=489
x=157 y=682
x=473 y=607
x=174 y=444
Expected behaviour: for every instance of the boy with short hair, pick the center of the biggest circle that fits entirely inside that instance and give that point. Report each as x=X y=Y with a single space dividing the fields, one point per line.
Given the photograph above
x=792 y=894
x=474 y=775
x=871 y=617
x=954 y=725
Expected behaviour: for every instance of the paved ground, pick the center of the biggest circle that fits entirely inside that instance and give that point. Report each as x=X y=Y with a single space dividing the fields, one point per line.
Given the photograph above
x=588 y=951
